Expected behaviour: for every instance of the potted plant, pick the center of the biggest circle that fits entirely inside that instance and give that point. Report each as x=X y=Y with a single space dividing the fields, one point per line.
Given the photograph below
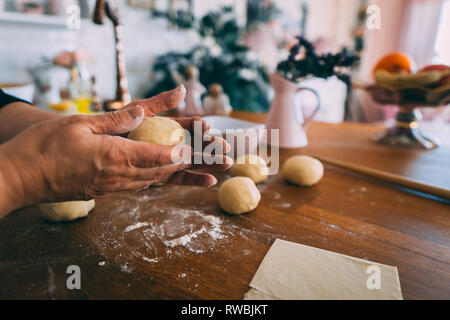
x=302 y=63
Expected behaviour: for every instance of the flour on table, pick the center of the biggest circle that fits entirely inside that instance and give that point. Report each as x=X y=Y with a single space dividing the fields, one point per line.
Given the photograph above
x=136 y=226
x=154 y=227
x=150 y=260
x=179 y=230
x=125 y=268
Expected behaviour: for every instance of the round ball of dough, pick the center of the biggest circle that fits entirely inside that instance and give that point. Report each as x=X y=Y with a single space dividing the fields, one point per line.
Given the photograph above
x=158 y=130
x=65 y=211
x=303 y=170
x=251 y=166
x=238 y=195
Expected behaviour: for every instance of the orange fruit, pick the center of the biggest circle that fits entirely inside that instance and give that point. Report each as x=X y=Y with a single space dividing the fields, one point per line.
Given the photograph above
x=395 y=63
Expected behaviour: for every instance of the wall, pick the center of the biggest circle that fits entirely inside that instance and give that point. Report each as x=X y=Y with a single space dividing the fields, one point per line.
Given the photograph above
x=23 y=45
x=332 y=20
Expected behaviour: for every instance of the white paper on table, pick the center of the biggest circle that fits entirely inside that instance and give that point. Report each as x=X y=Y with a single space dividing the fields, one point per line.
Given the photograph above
x=293 y=271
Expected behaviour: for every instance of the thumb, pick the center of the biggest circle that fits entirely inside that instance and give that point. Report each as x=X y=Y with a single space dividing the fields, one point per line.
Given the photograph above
x=118 y=122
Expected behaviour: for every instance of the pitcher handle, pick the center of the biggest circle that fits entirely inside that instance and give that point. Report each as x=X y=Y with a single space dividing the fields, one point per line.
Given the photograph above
x=317 y=108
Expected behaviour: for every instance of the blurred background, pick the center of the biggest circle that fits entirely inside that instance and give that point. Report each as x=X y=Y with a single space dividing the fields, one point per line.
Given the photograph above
x=52 y=53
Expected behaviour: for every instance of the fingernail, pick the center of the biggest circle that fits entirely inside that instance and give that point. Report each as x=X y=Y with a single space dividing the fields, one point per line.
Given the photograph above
x=136 y=112
x=212 y=183
x=181 y=88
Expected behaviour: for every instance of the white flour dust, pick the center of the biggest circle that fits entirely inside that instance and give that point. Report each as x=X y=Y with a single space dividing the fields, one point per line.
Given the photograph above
x=154 y=227
x=190 y=229
x=273 y=197
x=125 y=268
x=136 y=226
x=150 y=260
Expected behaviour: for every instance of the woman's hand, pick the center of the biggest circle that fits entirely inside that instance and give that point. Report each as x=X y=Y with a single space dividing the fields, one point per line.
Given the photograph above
x=83 y=157
x=170 y=99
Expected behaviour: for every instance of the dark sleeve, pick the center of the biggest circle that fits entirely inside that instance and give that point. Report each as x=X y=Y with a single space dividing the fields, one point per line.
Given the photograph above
x=7 y=99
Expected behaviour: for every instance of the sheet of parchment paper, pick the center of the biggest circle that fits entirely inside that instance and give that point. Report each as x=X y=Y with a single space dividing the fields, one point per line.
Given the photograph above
x=293 y=271
x=254 y=294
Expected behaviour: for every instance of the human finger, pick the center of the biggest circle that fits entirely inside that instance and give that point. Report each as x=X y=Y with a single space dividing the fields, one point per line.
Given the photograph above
x=145 y=155
x=211 y=162
x=116 y=122
x=192 y=178
x=188 y=123
x=161 y=102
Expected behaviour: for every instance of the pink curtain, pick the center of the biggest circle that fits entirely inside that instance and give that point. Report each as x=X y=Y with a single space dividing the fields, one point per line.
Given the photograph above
x=408 y=26
x=419 y=29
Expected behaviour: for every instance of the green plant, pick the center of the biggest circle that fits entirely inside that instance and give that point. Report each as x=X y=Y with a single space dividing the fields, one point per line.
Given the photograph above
x=260 y=12
x=304 y=62
x=221 y=58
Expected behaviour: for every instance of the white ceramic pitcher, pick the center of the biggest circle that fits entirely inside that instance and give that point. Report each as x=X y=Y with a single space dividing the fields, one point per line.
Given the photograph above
x=286 y=116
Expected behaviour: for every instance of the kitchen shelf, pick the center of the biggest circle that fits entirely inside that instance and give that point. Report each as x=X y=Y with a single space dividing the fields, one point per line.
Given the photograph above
x=44 y=20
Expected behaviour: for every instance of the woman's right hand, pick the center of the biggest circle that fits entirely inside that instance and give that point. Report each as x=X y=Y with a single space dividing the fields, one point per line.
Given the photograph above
x=83 y=157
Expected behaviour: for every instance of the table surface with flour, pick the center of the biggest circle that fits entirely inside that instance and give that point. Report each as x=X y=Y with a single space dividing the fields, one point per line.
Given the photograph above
x=174 y=242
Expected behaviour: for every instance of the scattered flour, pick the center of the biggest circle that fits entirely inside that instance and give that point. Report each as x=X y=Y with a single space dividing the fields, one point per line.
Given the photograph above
x=154 y=227
x=280 y=205
x=150 y=260
x=125 y=268
x=136 y=226
x=184 y=240
x=179 y=230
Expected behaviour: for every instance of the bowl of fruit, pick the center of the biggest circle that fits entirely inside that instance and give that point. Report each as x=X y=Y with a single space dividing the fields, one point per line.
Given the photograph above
x=396 y=82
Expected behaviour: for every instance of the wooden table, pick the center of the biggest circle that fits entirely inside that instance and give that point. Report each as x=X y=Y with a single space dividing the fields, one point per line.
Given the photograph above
x=186 y=248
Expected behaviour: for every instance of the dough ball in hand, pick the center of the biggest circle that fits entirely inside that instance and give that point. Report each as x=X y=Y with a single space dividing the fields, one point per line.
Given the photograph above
x=238 y=195
x=65 y=211
x=303 y=170
x=251 y=166
x=159 y=130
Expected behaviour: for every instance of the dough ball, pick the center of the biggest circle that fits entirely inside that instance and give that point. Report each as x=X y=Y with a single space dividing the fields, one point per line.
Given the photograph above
x=238 y=195
x=65 y=211
x=251 y=166
x=159 y=130
x=303 y=170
